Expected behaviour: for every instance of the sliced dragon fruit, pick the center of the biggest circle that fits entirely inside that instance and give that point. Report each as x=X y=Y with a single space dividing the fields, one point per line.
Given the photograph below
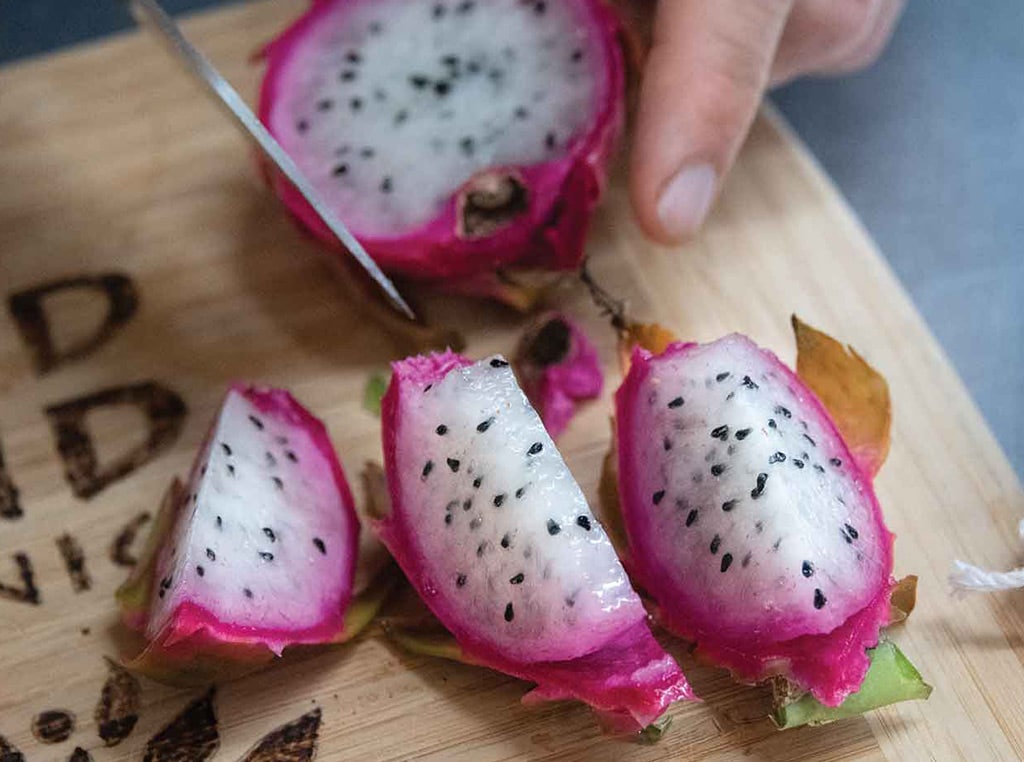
x=496 y=536
x=748 y=519
x=558 y=367
x=454 y=137
x=254 y=553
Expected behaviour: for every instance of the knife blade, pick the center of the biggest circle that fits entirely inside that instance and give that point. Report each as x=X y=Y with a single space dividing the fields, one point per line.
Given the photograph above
x=149 y=14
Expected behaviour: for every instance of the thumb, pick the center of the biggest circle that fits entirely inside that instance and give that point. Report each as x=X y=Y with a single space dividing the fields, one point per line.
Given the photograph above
x=703 y=81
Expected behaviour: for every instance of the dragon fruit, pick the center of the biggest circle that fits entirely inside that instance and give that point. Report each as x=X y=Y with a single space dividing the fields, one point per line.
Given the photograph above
x=254 y=553
x=455 y=137
x=748 y=519
x=558 y=367
x=496 y=536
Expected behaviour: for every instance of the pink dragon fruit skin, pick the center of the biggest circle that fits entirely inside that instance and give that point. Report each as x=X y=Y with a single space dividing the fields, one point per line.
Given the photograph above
x=558 y=367
x=596 y=647
x=256 y=552
x=782 y=562
x=546 y=232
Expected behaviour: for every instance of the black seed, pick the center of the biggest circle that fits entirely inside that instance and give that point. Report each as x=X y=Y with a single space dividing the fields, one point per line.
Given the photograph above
x=720 y=432
x=484 y=425
x=400 y=117
x=813 y=443
x=506 y=541
x=453 y=464
x=302 y=125
x=722 y=376
x=367 y=153
x=210 y=554
x=550 y=140
x=162 y=592
x=450 y=60
x=325 y=105
x=418 y=81
x=836 y=462
x=677 y=402
x=666 y=444
x=784 y=412
x=726 y=562
x=691 y=517
x=441 y=430
x=266 y=556
x=385 y=185
x=747 y=382
x=806 y=569
x=231 y=469
x=535 y=448
x=553 y=527
x=584 y=522
x=518 y=579
x=480 y=549
x=256 y=422
x=849 y=533
x=347 y=75
x=779 y=457
x=200 y=571
x=742 y=434
x=269 y=533
x=540 y=7
x=320 y=545
x=746 y=561
x=759 y=526
x=341 y=169
x=509 y=613
x=498 y=363
x=219 y=522
x=728 y=505
x=819 y=598
x=291 y=456
x=355 y=104
x=247 y=592
x=716 y=542
x=438 y=11
x=226 y=448
x=448 y=519
x=473 y=67
x=777 y=543
x=577 y=56
x=718 y=469
x=498 y=500
x=819 y=468
x=467 y=504
x=477 y=482
x=427 y=468
x=442 y=88
x=353 y=57
x=474 y=524
x=771 y=423
x=271 y=460
x=657 y=496
x=762 y=480
x=460 y=581
x=277 y=482
x=798 y=463
x=521 y=112
x=520 y=492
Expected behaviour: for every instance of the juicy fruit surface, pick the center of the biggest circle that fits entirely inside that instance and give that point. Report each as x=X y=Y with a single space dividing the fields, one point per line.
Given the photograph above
x=263 y=545
x=500 y=539
x=742 y=504
x=389 y=106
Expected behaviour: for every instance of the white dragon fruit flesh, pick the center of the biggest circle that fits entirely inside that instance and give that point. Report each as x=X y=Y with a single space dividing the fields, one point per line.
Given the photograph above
x=454 y=137
x=749 y=522
x=498 y=539
x=256 y=551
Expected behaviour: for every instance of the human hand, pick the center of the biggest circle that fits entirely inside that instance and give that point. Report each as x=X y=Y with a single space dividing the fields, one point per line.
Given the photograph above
x=709 y=65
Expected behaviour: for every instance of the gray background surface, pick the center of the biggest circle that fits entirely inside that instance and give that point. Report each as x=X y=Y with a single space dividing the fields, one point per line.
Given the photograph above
x=928 y=146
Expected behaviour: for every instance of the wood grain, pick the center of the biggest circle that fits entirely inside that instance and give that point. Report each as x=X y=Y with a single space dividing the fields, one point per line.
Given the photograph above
x=112 y=161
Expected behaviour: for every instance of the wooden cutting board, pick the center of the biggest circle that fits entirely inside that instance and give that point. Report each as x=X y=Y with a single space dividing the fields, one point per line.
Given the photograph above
x=111 y=162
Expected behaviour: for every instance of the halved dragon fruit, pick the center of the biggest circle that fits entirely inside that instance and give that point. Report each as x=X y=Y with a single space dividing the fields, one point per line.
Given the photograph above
x=749 y=520
x=455 y=137
x=496 y=536
x=254 y=553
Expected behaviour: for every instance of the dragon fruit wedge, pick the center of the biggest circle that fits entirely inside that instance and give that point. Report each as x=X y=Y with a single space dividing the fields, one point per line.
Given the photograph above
x=748 y=520
x=558 y=367
x=254 y=553
x=455 y=137
x=497 y=538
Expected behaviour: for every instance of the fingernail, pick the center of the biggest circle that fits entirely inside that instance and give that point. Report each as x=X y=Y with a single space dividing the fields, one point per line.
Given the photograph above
x=686 y=199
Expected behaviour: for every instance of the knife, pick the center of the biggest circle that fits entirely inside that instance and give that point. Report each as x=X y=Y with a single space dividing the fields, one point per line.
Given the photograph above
x=150 y=15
